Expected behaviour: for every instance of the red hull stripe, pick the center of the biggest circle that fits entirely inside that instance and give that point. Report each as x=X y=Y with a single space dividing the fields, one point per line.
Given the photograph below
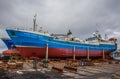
x=57 y=52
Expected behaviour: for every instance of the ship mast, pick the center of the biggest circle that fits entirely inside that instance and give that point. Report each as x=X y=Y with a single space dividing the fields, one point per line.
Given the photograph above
x=34 y=23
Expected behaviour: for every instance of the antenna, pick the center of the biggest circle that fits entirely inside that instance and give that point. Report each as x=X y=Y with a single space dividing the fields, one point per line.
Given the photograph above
x=106 y=37
x=40 y=29
x=34 y=23
x=98 y=26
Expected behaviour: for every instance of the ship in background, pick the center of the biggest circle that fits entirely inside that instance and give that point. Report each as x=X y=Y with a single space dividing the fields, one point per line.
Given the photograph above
x=33 y=43
x=8 y=42
x=116 y=55
x=11 y=49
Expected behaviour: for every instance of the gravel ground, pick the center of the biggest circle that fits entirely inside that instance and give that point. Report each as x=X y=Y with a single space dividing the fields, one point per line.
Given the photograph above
x=58 y=75
x=105 y=71
x=38 y=75
x=3 y=75
x=101 y=76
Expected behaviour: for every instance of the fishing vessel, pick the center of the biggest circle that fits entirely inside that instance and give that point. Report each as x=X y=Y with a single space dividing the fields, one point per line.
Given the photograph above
x=8 y=42
x=30 y=43
x=33 y=43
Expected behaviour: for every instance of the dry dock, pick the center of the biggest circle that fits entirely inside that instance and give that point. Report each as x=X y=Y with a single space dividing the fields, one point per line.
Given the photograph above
x=57 y=70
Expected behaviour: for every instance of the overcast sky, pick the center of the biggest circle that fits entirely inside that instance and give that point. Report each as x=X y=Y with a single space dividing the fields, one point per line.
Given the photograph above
x=82 y=17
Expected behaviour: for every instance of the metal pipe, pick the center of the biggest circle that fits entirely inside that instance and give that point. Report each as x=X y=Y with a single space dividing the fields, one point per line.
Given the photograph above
x=46 y=57
x=103 y=52
x=88 y=54
x=34 y=23
x=74 y=53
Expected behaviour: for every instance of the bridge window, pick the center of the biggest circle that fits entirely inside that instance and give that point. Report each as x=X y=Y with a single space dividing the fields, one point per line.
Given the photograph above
x=12 y=33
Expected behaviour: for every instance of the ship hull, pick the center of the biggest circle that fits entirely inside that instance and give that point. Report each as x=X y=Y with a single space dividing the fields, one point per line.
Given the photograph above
x=8 y=42
x=34 y=44
x=27 y=52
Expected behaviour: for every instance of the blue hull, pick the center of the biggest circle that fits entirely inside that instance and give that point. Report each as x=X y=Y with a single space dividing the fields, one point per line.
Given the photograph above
x=8 y=43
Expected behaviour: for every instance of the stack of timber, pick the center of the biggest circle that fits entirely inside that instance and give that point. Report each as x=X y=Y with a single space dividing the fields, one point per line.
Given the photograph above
x=57 y=65
x=3 y=66
x=19 y=64
x=71 y=65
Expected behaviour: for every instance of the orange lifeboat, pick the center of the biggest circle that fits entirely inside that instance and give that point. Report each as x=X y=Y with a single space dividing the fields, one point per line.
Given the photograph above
x=10 y=52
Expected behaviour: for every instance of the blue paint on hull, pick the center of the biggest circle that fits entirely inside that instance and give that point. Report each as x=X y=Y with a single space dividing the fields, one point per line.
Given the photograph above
x=8 y=43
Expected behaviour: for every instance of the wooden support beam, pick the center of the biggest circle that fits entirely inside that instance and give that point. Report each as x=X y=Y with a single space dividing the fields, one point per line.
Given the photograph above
x=103 y=54
x=58 y=68
x=46 y=56
x=71 y=68
x=74 y=53
x=88 y=53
